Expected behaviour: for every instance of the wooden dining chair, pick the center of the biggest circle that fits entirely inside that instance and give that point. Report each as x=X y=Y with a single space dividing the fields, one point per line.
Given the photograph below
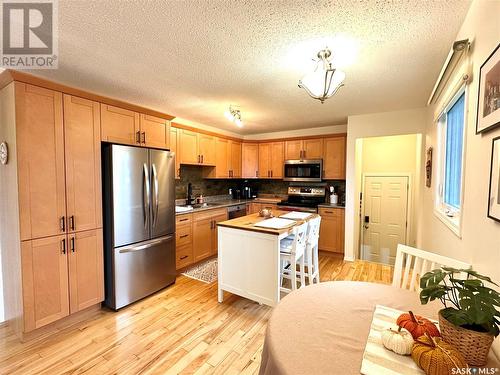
x=411 y=263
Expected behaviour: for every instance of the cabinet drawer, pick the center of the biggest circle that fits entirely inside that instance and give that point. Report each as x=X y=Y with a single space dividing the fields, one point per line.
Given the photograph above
x=183 y=235
x=209 y=213
x=335 y=212
x=183 y=219
x=183 y=256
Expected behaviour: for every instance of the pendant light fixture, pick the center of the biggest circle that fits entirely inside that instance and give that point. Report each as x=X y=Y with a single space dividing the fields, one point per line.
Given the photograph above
x=234 y=115
x=325 y=80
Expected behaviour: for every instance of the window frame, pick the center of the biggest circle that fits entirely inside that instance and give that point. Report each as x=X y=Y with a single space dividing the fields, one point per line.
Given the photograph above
x=450 y=215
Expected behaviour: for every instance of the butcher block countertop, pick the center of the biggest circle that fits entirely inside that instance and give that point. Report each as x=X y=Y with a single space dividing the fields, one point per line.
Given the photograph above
x=247 y=223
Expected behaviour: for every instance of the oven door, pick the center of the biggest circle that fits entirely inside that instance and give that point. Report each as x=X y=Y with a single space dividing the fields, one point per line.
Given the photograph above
x=303 y=170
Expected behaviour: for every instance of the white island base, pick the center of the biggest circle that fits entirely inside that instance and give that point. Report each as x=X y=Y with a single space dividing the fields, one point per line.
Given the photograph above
x=249 y=264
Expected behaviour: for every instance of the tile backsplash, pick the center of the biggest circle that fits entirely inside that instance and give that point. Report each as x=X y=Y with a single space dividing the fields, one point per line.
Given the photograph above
x=209 y=187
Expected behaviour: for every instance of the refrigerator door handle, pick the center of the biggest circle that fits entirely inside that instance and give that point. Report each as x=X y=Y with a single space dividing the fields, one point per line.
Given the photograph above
x=145 y=195
x=133 y=248
x=156 y=194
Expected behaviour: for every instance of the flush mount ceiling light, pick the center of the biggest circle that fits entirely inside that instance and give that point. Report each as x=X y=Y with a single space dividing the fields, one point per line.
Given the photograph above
x=234 y=115
x=325 y=80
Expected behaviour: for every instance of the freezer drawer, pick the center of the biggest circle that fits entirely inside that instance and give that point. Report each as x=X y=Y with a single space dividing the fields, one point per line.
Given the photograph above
x=141 y=269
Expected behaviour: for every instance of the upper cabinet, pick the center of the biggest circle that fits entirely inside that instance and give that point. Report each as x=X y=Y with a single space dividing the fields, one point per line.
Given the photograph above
x=174 y=141
x=40 y=150
x=120 y=125
x=83 y=163
x=235 y=159
x=228 y=159
x=196 y=148
x=271 y=158
x=155 y=131
x=304 y=149
x=334 y=158
x=250 y=160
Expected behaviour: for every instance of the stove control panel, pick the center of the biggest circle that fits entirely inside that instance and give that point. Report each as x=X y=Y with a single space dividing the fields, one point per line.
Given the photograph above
x=307 y=191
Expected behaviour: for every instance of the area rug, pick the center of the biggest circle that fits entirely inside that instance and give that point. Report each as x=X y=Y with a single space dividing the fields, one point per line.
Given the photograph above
x=205 y=272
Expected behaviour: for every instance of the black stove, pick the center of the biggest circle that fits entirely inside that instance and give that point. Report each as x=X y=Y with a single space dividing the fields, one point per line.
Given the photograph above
x=303 y=198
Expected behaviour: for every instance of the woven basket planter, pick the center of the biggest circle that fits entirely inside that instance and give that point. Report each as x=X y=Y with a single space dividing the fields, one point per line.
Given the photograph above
x=474 y=346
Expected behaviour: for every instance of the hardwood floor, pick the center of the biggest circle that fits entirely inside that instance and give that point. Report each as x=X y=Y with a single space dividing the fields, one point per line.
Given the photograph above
x=179 y=330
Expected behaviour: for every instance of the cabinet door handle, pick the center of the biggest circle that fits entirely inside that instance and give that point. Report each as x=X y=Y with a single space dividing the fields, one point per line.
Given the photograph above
x=271 y=173
x=72 y=222
x=256 y=173
x=202 y=159
x=183 y=219
x=199 y=159
x=184 y=236
x=62 y=223
x=144 y=137
x=63 y=246
x=183 y=257
x=138 y=137
x=72 y=244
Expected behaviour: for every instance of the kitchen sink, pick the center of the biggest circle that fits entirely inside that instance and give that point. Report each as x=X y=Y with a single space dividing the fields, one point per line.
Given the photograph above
x=201 y=205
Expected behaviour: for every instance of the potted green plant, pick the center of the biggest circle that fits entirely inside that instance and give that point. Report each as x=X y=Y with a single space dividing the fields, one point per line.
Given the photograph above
x=470 y=318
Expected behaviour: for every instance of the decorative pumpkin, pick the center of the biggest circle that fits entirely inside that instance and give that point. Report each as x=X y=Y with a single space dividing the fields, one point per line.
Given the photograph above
x=417 y=325
x=436 y=357
x=400 y=341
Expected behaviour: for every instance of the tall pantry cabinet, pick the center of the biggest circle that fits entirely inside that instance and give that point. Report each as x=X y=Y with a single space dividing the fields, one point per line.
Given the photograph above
x=57 y=145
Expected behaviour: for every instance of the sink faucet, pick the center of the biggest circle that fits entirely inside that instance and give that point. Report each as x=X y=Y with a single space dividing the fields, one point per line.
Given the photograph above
x=189 y=198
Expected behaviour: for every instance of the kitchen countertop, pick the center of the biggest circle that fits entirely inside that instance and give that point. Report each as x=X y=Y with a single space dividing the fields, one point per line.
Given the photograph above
x=330 y=205
x=223 y=203
x=247 y=223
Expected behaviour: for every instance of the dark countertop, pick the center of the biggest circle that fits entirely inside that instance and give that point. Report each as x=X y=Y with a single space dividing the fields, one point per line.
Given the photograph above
x=219 y=204
x=330 y=205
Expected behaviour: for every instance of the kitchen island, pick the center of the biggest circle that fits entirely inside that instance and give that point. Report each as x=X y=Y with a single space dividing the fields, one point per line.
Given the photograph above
x=249 y=258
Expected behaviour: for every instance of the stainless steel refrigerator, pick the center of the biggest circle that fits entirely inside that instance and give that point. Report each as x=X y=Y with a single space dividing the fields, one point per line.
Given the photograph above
x=139 y=222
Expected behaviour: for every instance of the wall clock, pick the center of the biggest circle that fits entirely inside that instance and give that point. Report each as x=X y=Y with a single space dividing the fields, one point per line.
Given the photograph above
x=4 y=153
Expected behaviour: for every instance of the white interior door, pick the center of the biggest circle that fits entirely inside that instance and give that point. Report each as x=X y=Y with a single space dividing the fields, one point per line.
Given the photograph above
x=384 y=220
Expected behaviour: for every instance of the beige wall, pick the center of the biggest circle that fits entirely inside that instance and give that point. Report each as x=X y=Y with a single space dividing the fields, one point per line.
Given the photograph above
x=480 y=242
x=394 y=155
x=411 y=121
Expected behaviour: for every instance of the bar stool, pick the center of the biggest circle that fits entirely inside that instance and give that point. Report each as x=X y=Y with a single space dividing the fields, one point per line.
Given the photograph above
x=311 y=254
x=292 y=252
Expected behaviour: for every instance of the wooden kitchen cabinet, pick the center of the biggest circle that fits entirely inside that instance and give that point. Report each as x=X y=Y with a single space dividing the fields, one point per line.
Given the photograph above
x=83 y=163
x=86 y=269
x=120 y=125
x=312 y=148
x=206 y=149
x=235 y=158
x=264 y=160
x=293 y=149
x=331 y=235
x=271 y=158
x=183 y=240
x=217 y=218
x=334 y=158
x=196 y=148
x=255 y=207
x=174 y=147
x=222 y=157
x=40 y=150
x=155 y=131
x=44 y=281
x=304 y=149
x=277 y=159
x=205 y=232
x=250 y=160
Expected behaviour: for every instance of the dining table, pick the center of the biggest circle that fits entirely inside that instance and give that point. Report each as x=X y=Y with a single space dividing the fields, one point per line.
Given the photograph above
x=323 y=328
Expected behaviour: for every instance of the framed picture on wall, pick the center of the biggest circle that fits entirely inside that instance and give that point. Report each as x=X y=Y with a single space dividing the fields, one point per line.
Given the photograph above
x=494 y=194
x=488 y=108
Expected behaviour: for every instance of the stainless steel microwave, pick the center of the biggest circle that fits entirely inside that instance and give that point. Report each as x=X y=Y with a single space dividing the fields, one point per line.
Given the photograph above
x=303 y=170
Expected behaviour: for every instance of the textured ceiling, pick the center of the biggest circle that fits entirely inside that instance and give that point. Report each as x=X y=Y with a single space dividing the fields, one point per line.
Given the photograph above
x=193 y=58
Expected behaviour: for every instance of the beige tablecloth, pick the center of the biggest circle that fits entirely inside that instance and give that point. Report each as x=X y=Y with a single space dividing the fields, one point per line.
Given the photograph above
x=322 y=329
